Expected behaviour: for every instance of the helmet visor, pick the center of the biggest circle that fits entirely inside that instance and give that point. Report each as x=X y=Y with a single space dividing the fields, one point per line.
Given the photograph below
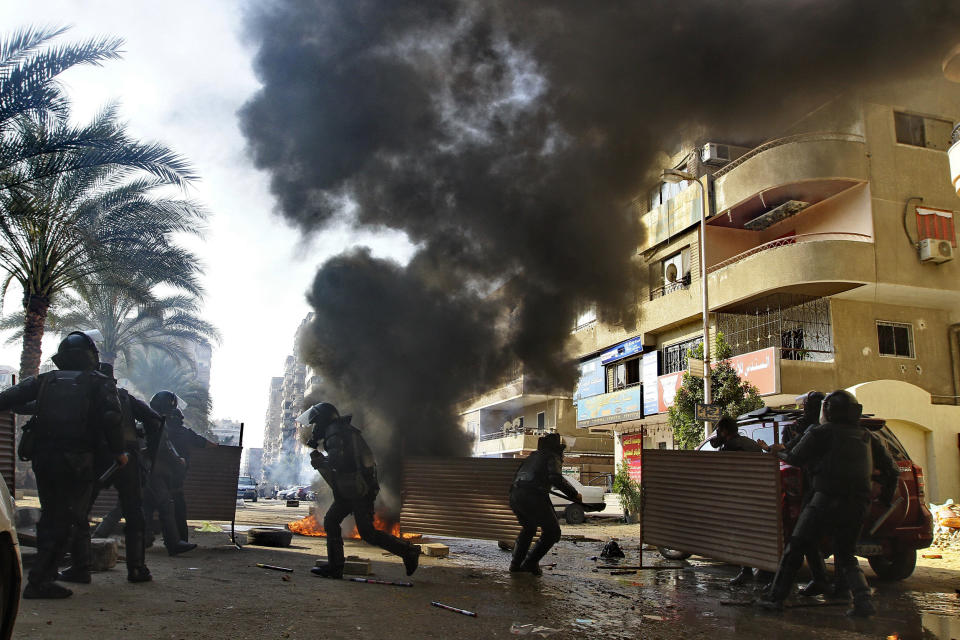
x=307 y=416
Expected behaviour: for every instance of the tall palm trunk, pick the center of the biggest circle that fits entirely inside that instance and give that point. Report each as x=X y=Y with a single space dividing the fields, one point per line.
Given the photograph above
x=35 y=308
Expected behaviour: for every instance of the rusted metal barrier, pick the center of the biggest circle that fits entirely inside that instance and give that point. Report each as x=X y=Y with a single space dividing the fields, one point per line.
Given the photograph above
x=723 y=505
x=8 y=456
x=459 y=497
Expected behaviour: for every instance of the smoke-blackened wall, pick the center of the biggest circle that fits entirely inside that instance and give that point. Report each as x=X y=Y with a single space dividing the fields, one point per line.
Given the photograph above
x=507 y=140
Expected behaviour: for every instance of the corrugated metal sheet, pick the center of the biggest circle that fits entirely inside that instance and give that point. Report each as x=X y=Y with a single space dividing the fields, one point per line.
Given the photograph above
x=211 y=485
x=719 y=505
x=8 y=436
x=460 y=497
x=210 y=489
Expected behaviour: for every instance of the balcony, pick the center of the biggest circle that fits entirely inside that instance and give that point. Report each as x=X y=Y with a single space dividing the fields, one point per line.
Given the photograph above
x=498 y=443
x=809 y=168
x=671 y=287
x=817 y=264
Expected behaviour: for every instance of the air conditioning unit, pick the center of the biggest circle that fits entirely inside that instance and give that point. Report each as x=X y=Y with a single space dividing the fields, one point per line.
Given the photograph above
x=673 y=269
x=716 y=154
x=936 y=251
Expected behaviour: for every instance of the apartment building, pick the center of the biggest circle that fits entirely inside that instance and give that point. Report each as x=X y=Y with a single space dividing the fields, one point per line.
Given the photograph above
x=830 y=259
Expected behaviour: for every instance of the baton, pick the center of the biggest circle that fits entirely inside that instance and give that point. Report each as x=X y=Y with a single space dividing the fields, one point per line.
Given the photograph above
x=886 y=514
x=560 y=495
x=105 y=478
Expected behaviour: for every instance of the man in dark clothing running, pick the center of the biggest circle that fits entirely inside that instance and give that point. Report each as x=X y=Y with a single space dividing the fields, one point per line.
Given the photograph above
x=530 y=501
x=350 y=470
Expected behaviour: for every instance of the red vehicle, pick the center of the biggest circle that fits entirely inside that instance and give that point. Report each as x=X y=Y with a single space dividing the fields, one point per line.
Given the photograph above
x=892 y=548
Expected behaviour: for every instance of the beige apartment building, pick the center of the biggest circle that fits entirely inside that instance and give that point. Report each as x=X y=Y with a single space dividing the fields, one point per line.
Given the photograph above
x=831 y=263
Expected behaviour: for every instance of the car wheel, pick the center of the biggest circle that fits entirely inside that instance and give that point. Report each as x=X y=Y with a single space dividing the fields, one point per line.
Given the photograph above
x=897 y=566
x=253 y=499
x=673 y=554
x=10 y=581
x=574 y=514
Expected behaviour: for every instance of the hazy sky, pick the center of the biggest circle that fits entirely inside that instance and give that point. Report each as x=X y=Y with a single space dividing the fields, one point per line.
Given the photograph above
x=184 y=74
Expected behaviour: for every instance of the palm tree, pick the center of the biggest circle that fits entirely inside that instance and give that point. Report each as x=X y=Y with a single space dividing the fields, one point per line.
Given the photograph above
x=129 y=316
x=151 y=371
x=29 y=92
x=57 y=231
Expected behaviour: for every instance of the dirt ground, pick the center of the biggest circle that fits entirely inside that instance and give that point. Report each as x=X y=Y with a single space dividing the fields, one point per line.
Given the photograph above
x=217 y=591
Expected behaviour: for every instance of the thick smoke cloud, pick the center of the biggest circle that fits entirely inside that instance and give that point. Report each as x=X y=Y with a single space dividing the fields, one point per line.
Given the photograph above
x=507 y=139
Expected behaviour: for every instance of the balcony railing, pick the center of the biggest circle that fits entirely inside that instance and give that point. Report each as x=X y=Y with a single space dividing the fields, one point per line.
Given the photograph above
x=671 y=287
x=496 y=435
x=800 y=137
x=783 y=242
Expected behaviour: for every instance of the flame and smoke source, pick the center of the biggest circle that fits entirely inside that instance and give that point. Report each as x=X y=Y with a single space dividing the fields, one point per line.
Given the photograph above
x=309 y=526
x=507 y=140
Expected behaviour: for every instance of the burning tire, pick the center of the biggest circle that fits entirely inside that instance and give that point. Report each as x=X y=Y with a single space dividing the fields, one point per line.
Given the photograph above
x=269 y=537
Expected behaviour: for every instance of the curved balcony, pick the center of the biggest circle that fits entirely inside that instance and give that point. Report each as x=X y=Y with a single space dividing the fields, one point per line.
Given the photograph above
x=808 y=168
x=818 y=264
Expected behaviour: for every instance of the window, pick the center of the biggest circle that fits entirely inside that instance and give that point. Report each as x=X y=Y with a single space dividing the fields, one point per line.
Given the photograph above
x=675 y=356
x=670 y=274
x=666 y=191
x=662 y=446
x=541 y=421
x=896 y=339
x=921 y=131
x=588 y=316
x=625 y=373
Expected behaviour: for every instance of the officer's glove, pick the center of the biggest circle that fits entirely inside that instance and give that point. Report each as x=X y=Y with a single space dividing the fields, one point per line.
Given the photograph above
x=318 y=461
x=579 y=497
x=122 y=460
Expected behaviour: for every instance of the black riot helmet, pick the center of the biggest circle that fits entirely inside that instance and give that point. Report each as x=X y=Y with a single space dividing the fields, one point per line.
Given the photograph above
x=841 y=407
x=320 y=416
x=551 y=442
x=810 y=404
x=164 y=402
x=77 y=352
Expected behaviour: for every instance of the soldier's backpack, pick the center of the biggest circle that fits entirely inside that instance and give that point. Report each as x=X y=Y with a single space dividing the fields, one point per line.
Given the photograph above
x=63 y=406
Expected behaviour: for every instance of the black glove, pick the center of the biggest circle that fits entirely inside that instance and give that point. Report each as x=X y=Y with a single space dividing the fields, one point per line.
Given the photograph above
x=317 y=460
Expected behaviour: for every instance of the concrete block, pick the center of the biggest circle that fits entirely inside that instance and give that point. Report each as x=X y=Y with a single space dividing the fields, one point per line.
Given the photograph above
x=103 y=554
x=435 y=550
x=353 y=565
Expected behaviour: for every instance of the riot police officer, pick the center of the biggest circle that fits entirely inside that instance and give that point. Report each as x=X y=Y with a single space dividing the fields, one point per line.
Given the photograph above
x=76 y=409
x=351 y=471
x=810 y=405
x=844 y=456
x=184 y=440
x=530 y=501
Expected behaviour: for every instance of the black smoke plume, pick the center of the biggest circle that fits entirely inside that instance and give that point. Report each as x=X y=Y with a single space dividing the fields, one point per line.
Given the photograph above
x=507 y=139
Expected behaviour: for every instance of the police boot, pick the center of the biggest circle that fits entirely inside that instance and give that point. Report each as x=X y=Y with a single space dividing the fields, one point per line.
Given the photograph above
x=519 y=553
x=79 y=569
x=411 y=559
x=171 y=536
x=137 y=570
x=863 y=606
x=327 y=571
x=45 y=591
x=778 y=592
x=745 y=575
x=820 y=585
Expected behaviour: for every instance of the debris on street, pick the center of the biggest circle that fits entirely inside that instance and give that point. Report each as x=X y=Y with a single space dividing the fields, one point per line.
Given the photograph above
x=454 y=609
x=274 y=567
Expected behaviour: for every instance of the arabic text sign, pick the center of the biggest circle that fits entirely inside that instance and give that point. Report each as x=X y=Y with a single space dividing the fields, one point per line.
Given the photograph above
x=759 y=368
x=632 y=444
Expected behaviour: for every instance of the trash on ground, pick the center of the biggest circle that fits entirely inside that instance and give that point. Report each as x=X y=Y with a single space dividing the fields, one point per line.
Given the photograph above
x=531 y=630
x=612 y=550
x=648 y=616
x=209 y=527
x=393 y=583
x=454 y=609
x=274 y=567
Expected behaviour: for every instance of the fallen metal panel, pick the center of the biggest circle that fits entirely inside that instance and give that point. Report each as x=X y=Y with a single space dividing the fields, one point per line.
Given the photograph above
x=718 y=505
x=210 y=489
x=8 y=436
x=459 y=497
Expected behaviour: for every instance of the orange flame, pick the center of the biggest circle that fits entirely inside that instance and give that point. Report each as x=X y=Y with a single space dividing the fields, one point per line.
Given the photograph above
x=310 y=527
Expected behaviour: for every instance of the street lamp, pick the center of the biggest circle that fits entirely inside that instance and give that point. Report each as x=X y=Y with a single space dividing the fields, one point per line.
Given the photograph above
x=675 y=176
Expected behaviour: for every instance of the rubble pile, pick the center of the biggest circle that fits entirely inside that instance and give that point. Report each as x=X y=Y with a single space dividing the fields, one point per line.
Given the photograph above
x=946 y=524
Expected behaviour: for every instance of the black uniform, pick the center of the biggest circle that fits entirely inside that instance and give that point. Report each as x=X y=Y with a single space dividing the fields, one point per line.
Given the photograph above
x=530 y=501
x=184 y=440
x=76 y=412
x=843 y=457
x=128 y=480
x=350 y=470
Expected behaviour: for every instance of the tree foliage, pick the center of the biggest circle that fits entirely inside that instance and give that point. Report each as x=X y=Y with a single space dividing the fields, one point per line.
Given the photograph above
x=734 y=395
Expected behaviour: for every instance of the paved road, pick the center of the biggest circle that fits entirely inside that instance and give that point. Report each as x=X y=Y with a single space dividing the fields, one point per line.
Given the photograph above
x=218 y=592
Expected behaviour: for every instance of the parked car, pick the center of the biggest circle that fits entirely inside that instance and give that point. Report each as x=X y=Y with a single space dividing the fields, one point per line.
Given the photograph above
x=574 y=513
x=892 y=550
x=247 y=488
x=11 y=568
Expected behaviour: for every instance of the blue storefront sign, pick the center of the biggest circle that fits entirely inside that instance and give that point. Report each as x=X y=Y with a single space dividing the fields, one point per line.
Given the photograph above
x=631 y=347
x=618 y=406
x=591 y=382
